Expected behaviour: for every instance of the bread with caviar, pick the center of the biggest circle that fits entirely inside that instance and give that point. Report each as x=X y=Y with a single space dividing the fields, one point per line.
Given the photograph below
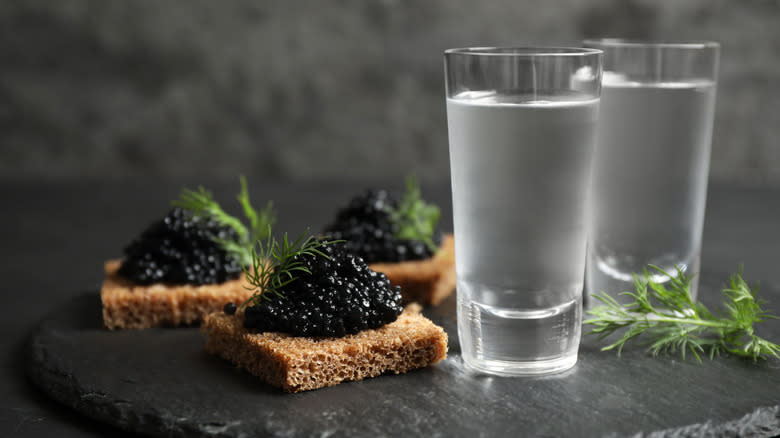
x=427 y=281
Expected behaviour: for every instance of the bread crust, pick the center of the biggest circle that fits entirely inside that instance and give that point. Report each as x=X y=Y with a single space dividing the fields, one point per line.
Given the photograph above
x=427 y=281
x=130 y=306
x=297 y=364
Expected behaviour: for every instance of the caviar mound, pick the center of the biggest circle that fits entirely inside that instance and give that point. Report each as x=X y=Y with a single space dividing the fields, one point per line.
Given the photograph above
x=366 y=227
x=339 y=296
x=179 y=249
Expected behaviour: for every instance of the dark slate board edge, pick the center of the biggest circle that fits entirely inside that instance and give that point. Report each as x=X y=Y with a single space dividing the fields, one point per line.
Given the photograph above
x=764 y=422
x=143 y=419
x=136 y=418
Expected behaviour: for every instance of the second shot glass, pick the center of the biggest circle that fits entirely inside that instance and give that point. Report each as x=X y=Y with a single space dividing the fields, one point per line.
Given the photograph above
x=651 y=162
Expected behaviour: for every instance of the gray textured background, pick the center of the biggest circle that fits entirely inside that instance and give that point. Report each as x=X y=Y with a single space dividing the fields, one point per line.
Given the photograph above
x=318 y=89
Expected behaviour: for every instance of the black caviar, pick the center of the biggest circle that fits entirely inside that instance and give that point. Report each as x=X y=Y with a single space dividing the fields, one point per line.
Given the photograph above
x=230 y=308
x=178 y=249
x=366 y=226
x=341 y=296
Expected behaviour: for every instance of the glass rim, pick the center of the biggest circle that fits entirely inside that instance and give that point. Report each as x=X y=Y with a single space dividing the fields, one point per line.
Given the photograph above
x=637 y=43
x=524 y=51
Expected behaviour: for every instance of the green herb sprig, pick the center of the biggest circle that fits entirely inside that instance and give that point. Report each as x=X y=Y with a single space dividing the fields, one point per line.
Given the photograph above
x=201 y=203
x=414 y=218
x=675 y=322
x=274 y=264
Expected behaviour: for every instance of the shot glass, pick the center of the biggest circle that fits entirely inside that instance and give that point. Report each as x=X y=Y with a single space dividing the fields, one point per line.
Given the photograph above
x=651 y=162
x=521 y=125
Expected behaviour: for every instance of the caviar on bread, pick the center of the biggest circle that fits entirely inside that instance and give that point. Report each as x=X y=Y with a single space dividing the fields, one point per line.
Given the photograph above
x=319 y=316
x=398 y=238
x=334 y=294
x=366 y=225
x=180 y=249
x=183 y=266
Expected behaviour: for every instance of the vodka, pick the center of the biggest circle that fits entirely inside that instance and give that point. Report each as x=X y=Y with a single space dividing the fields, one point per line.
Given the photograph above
x=520 y=169
x=649 y=182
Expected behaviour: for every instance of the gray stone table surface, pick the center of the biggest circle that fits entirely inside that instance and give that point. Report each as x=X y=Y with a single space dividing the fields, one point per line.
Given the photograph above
x=56 y=236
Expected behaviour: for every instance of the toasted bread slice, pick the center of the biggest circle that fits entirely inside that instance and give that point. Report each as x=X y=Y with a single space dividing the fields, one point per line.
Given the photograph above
x=303 y=363
x=427 y=281
x=128 y=305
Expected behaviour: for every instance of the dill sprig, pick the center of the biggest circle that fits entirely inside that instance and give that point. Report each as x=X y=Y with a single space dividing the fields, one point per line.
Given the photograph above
x=414 y=218
x=677 y=323
x=201 y=203
x=275 y=264
x=259 y=222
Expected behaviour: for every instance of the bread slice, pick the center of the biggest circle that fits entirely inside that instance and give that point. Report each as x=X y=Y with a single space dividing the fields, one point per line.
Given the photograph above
x=427 y=281
x=128 y=305
x=303 y=363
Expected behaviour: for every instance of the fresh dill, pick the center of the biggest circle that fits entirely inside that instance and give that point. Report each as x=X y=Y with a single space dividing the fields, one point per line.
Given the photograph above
x=415 y=219
x=275 y=264
x=671 y=321
x=201 y=203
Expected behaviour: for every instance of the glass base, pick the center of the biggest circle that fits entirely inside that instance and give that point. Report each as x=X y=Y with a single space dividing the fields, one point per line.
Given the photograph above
x=527 y=368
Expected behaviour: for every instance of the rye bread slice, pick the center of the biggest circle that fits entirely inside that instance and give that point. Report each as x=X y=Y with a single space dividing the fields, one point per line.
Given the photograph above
x=304 y=363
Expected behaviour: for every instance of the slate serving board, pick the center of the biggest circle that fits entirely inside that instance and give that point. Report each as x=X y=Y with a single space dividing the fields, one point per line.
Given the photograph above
x=161 y=382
